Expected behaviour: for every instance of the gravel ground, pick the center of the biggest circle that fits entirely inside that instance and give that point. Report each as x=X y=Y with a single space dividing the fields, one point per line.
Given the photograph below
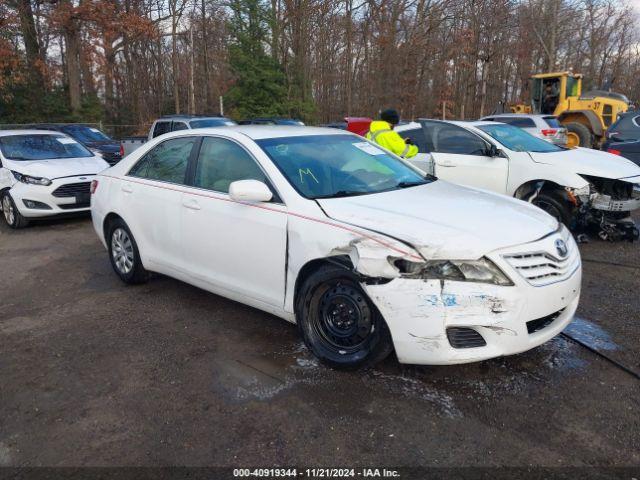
x=96 y=373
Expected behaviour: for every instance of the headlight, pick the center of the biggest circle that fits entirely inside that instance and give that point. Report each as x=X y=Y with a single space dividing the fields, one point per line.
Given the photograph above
x=481 y=271
x=31 y=180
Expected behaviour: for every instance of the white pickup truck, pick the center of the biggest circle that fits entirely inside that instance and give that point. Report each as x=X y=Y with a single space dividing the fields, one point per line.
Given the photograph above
x=581 y=187
x=172 y=123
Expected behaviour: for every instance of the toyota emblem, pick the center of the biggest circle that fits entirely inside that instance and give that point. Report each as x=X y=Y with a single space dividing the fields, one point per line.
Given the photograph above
x=561 y=248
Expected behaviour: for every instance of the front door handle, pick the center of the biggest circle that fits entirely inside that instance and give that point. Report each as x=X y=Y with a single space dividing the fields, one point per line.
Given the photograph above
x=191 y=204
x=127 y=189
x=446 y=163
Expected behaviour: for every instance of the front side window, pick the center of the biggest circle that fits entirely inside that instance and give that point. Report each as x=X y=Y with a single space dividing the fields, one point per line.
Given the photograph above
x=517 y=140
x=222 y=162
x=41 y=147
x=324 y=166
x=416 y=135
x=161 y=128
x=447 y=138
x=166 y=162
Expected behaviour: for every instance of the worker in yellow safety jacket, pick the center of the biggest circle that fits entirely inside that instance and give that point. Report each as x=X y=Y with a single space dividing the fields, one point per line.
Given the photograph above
x=381 y=132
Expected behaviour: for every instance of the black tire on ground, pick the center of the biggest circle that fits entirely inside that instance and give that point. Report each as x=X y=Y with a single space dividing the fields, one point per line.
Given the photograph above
x=12 y=217
x=557 y=205
x=582 y=132
x=338 y=322
x=124 y=254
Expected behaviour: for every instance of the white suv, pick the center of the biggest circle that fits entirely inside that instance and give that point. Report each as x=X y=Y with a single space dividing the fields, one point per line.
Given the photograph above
x=43 y=174
x=545 y=127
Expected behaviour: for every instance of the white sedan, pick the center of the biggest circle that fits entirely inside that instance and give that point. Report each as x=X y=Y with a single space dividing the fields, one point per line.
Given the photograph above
x=325 y=229
x=43 y=174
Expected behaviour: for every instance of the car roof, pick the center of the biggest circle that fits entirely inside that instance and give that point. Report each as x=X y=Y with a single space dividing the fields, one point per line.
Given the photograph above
x=30 y=131
x=189 y=117
x=522 y=115
x=260 y=132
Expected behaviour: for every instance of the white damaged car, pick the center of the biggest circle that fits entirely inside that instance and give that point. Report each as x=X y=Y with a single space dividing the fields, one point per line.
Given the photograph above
x=356 y=246
x=583 y=188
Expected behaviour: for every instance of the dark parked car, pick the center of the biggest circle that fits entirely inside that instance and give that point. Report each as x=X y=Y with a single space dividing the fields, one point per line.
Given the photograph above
x=271 y=121
x=623 y=137
x=90 y=137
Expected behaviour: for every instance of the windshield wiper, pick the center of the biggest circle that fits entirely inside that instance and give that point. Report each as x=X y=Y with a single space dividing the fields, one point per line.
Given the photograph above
x=342 y=193
x=410 y=184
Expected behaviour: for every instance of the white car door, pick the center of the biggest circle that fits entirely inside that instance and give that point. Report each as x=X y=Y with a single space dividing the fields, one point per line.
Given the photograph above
x=151 y=197
x=235 y=245
x=461 y=156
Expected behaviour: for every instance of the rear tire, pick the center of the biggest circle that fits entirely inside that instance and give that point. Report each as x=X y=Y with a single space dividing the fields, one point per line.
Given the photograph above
x=124 y=254
x=585 y=139
x=338 y=322
x=555 y=205
x=10 y=213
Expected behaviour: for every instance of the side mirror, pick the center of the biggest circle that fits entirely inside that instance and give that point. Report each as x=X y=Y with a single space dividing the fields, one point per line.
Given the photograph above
x=250 y=191
x=493 y=151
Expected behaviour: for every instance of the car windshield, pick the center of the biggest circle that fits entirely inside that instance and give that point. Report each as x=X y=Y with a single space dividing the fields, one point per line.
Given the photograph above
x=326 y=166
x=86 y=134
x=41 y=147
x=518 y=140
x=211 y=122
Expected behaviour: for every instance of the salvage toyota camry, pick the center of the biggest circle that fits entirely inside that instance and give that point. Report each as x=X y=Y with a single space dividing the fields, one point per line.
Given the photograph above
x=357 y=247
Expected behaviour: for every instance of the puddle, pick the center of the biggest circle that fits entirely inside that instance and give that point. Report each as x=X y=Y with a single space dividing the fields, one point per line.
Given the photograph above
x=590 y=334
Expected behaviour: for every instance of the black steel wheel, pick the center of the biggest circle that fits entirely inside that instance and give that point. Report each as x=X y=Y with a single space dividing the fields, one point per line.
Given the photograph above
x=338 y=322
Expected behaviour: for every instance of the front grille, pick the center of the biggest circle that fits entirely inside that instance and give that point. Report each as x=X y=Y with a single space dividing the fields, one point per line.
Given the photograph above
x=460 y=337
x=544 y=268
x=72 y=189
x=111 y=158
x=538 y=324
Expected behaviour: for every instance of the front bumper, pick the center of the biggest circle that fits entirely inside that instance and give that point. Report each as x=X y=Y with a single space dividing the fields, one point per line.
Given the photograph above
x=58 y=203
x=419 y=312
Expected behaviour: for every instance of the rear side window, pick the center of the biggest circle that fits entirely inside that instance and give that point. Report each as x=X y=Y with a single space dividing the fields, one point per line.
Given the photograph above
x=520 y=122
x=552 y=122
x=166 y=162
x=416 y=136
x=179 y=126
x=222 y=162
x=447 y=138
x=161 y=128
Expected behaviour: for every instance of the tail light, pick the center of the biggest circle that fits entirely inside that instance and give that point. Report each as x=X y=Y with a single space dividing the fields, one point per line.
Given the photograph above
x=94 y=186
x=614 y=151
x=547 y=132
x=121 y=150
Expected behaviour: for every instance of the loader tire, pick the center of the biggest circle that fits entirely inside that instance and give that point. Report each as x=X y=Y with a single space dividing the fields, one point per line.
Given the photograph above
x=578 y=135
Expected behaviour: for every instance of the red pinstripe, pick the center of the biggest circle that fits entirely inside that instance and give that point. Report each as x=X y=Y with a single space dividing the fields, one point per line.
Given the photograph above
x=264 y=207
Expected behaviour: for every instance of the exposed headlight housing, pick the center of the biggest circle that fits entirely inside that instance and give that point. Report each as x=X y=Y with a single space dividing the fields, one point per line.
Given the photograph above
x=31 y=180
x=480 y=271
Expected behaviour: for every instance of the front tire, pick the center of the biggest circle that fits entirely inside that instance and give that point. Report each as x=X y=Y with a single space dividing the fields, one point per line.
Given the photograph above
x=579 y=135
x=555 y=205
x=338 y=322
x=10 y=213
x=124 y=254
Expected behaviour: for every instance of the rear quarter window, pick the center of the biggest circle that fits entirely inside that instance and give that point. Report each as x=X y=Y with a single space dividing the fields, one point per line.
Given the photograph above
x=552 y=122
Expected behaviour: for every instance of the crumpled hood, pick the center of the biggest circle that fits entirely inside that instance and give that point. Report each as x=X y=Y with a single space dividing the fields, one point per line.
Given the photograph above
x=62 y=167
x=445 y=221
x=591 y=162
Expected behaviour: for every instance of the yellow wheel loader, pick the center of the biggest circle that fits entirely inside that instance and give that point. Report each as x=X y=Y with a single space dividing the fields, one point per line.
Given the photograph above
x=585 y=116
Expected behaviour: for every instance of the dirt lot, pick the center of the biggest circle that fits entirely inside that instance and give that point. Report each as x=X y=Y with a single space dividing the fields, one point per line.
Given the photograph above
x=93 y=372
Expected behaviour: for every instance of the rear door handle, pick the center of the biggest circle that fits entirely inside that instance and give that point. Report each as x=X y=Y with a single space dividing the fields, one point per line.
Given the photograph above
x=446 y=163
x=191 y=204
